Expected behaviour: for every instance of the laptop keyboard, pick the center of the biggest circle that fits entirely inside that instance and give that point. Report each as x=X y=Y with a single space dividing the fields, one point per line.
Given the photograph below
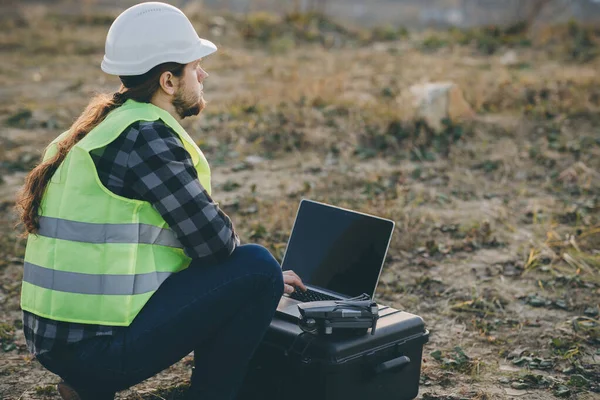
x=310 y=295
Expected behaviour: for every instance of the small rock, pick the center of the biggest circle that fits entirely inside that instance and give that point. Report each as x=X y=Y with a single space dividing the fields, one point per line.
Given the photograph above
x=438 y=101
x=216 y=31
x=510 y=269
x=561 y=304
x=380 y=47
x=548 y=381
x=562 y=391
x=254 y=159
x=520 y=175
x=536 y=301
x=521 y=360
x=513 y=392
x=253 y=209
x=519 y=385
x=331 y=159
x=517 y=352
x=510 y=58
x=504 y=380
x=218 y=21
x=591 y=311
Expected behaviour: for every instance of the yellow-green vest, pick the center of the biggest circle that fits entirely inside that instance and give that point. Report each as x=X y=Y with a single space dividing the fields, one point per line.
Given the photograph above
x=98 y=257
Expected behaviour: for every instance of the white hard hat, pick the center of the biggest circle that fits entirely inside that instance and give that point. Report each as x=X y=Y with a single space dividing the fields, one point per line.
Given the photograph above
x=150 y=34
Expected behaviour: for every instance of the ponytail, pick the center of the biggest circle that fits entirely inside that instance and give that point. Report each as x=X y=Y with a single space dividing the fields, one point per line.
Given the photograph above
x=30 y=196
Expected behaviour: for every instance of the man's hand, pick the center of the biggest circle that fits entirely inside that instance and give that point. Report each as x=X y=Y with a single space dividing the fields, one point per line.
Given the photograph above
x=292 y=281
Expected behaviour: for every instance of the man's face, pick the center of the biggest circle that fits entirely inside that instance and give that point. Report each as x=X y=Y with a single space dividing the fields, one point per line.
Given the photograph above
x=189 y=100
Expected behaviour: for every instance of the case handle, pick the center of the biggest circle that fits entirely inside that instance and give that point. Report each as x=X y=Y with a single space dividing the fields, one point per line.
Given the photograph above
x=393 y=365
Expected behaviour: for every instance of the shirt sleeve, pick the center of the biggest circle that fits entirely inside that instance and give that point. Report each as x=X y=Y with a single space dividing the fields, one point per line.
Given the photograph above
x=164 y=175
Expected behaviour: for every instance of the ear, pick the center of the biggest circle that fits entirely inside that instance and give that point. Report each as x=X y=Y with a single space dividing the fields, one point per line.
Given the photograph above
x=168 y=82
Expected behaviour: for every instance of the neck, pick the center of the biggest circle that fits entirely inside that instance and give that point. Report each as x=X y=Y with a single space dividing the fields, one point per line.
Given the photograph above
x=164 y=102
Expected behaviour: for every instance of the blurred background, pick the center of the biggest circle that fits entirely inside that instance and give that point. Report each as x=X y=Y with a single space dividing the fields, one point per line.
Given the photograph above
x=411 y=13
x=474 y=124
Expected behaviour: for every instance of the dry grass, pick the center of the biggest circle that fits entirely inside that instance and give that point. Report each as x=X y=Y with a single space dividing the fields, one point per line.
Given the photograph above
x=497 y=220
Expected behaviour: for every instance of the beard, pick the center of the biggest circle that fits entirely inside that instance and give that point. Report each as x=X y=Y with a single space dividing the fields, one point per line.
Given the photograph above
x=187 y=105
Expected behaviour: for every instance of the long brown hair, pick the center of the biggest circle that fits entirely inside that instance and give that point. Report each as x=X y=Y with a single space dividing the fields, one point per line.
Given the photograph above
x=140 y=88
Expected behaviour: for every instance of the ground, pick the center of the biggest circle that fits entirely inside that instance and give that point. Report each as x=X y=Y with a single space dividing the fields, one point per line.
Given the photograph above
x=497 y=240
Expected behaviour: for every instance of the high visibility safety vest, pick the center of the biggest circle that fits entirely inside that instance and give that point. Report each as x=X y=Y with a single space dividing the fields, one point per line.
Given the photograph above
x=98 y=257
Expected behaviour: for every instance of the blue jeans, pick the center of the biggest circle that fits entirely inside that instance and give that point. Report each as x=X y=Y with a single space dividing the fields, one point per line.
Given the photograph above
x=219 y=312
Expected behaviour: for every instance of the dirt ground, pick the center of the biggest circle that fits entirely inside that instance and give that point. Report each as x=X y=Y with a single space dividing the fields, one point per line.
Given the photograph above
x=497 y=241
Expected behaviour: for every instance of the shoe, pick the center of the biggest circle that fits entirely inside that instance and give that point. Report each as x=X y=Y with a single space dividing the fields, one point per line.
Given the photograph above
x=67 y=392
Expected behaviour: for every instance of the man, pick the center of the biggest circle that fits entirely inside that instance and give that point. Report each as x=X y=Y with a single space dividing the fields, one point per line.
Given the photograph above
x=130 y=265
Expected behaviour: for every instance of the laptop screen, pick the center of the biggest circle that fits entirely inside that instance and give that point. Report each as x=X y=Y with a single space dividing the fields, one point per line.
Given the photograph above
x=337 y=249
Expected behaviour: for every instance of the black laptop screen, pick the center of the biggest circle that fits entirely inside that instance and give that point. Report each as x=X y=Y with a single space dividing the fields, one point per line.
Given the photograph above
x=336 y=249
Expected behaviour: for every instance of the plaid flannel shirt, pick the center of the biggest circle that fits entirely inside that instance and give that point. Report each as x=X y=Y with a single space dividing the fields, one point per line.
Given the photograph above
x=130 y=167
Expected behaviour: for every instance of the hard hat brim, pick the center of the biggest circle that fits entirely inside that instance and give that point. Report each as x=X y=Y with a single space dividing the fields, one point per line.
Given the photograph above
x=201 y=49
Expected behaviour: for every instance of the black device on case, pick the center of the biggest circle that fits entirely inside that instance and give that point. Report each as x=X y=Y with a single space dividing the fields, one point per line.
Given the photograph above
x=350 y=316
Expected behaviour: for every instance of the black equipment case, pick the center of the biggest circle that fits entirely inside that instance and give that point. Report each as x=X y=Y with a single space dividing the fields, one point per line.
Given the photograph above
x=291 y=364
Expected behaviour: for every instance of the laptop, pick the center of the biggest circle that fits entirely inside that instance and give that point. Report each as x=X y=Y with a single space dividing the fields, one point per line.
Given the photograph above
x=338 y=254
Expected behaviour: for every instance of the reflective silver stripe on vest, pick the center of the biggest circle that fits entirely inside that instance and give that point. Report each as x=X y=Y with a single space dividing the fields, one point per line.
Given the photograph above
x=75 y=282
x=58 y=228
